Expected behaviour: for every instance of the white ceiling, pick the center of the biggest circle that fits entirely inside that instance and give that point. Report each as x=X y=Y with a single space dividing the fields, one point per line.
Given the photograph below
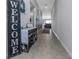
x=48 y=3
x=41 y=4
x=44 y=5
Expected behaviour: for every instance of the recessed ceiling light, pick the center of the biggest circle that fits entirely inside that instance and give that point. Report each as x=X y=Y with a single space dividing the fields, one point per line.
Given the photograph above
x=45 y=5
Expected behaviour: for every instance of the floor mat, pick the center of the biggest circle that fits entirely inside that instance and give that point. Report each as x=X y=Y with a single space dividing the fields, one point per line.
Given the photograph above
x=46 y=31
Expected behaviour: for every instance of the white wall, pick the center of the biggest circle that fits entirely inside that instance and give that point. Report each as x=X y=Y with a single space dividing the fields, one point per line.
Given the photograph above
x=35 y=14
x=62 y=23
x=25 y=17
x=39 y=18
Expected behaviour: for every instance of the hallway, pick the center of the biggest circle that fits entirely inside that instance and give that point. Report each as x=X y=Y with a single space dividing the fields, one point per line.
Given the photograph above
x=46 y=47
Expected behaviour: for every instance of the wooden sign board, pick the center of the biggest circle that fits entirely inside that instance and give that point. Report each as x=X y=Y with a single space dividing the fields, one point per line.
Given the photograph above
x=13 y=28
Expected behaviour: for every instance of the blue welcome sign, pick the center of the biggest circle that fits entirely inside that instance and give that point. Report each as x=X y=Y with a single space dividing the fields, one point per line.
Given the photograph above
x=14 y=35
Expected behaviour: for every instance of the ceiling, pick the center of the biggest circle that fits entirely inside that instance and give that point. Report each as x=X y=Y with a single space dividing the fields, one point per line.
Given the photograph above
x=44 y=5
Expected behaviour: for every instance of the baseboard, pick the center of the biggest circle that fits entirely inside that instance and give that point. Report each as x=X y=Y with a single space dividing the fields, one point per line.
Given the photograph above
x=65 y=47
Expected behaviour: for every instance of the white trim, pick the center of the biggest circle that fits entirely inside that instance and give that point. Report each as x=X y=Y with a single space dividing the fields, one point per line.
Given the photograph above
x=56 y=35
x=70 y=54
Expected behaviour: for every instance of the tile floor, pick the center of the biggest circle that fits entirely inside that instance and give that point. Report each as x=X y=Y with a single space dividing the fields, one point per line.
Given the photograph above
x=46 y=47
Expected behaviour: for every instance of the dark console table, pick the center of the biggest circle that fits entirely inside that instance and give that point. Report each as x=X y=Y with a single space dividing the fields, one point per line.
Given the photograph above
x=29 y=37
